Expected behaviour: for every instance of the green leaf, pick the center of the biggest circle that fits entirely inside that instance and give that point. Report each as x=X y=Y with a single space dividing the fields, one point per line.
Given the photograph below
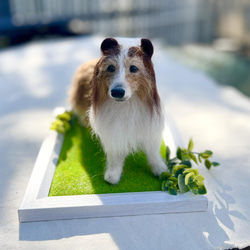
x=58 y=129
x=172 y=163
x=163 y=186
x=173 y=180
x=192 y=170
x=170 y=169
x=62 y=122
x=192 y=185
x=165 y=176
x=58 y=125
x=58 y=122
x=64 y=116
x=215 y=164
x=170 y=166
x=205 y=155
x=199 y=158
x=186 y=163
x=188 y=177
x=179 y=172
x=202 y=190
x=179 y=153
x=190 y=145
x=208 y=152
x=181 y=183
x=185 y=155
x=195 y=191
x=208 y=164
x=193 y=157
x=168 y=153
x=172 y=191
x=177 y=167
x=169 y=184
x=199 y=180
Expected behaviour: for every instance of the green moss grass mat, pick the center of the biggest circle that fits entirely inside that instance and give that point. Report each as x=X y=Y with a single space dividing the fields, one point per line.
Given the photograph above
x=81 y=164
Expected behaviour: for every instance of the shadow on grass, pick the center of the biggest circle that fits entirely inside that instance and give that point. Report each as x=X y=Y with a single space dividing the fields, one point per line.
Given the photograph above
x=81 y=165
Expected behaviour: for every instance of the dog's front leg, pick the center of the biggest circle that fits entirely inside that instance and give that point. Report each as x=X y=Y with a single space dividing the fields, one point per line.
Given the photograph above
x=155 y=160
x=156 y=163
x=114 y=167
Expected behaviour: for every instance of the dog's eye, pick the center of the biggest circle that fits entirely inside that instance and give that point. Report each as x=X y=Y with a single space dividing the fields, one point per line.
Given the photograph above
x=111 y=68
x=133 y=69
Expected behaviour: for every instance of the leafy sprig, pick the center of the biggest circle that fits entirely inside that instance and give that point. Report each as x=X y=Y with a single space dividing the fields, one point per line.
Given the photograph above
x=180 y=176
x=62 y=122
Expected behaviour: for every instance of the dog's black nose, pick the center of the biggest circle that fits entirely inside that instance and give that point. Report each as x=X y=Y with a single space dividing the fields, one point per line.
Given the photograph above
x=117 y=92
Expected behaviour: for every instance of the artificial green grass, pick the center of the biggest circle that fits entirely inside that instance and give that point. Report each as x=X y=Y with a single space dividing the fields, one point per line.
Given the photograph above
x=81 y=164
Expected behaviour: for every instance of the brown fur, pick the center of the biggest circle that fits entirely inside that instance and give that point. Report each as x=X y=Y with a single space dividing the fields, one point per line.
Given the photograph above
x=101 y=81
x=80 y=91
x=147 y=90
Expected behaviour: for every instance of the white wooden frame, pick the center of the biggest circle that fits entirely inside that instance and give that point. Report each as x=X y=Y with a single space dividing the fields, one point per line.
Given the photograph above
x=38 y=206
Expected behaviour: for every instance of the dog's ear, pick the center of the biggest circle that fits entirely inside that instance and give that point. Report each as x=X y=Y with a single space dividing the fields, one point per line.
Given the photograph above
x=147 y=47
x=110 y=46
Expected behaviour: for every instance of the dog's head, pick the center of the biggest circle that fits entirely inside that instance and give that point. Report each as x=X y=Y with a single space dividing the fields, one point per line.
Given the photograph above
x=125 y=69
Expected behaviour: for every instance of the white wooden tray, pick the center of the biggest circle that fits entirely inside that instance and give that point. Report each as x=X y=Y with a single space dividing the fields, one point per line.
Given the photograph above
x=38 y=206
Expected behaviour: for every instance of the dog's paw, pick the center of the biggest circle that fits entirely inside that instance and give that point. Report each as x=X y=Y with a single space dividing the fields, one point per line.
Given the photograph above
x=112 y=177
x=159 y=168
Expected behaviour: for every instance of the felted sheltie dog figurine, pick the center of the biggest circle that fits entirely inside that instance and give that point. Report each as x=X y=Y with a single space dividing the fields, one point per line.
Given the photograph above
x=118 y=96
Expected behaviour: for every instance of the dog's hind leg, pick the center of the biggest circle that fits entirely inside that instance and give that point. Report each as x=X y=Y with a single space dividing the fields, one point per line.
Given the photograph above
x=114 y=167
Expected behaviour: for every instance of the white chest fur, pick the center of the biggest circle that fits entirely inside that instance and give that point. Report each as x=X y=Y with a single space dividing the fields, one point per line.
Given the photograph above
x=124 y=127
